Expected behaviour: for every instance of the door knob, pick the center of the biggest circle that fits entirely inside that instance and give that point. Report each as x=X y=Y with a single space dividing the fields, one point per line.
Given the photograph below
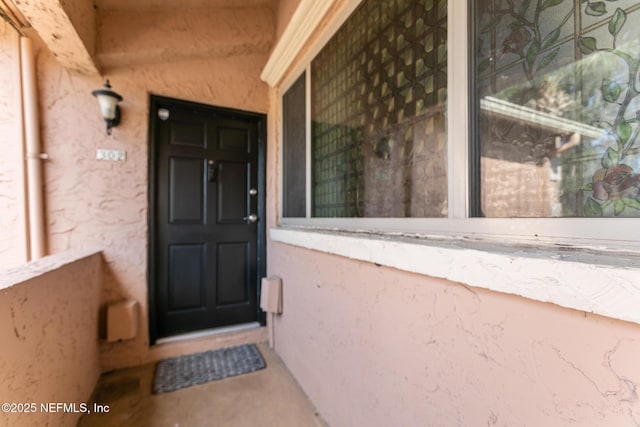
x=251 y=218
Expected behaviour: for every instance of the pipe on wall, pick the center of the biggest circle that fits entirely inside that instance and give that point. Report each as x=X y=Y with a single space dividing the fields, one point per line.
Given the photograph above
x=34 y=156
x=16 y=78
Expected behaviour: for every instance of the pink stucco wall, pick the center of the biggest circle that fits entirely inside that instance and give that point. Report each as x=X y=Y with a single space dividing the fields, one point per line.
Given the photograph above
x=105 y=204
x=380 y=347
x=49 y=336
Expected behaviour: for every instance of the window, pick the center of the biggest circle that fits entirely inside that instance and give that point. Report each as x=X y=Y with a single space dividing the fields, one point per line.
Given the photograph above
x=488 y=118
x=294 y=143
x=540 y=148
x=378 y=131
x=558 y=115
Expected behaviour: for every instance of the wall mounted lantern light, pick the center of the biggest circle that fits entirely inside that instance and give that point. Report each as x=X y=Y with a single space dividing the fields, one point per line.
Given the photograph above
x=108 y=100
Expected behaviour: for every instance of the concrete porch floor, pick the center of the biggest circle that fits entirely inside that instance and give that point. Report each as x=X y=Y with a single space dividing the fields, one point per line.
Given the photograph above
x=269 y=397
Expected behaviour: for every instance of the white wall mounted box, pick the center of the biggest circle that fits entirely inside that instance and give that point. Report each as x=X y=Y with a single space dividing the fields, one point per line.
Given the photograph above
x=271 y=294
x=122 y=321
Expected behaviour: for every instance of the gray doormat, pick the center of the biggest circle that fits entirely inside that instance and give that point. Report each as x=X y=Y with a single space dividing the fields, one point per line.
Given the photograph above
x=199 y=368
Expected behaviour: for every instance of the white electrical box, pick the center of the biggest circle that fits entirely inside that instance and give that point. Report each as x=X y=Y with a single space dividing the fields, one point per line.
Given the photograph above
x=271 y=294
x=122 y=321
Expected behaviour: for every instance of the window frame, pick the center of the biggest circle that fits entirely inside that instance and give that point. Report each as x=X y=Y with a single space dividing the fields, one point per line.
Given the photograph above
x=460 y=221
x=586 y=264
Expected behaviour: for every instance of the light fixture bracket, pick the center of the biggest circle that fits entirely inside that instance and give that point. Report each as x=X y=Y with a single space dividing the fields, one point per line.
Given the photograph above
x=111 y=123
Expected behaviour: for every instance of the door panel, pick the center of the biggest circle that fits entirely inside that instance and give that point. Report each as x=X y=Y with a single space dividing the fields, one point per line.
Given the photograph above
x=205 y=253
x=233 y=139
x=233 y=179
x=186 y=190
x=186 y=281
x=233 y=259
x=189 y=134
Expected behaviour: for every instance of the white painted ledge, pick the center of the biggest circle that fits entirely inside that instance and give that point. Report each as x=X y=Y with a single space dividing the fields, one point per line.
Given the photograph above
x=587 y=280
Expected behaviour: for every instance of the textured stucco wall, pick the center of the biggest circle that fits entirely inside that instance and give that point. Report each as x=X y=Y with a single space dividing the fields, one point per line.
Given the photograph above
x=380 y=347
x=67 y=27
x=82 y=15
x=48 y=331
x=156 y=36
x=13 y=249
x=105 y=204
x=286 y=9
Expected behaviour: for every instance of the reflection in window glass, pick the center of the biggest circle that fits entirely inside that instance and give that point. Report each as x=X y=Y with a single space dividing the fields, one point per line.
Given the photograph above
x=557 y=97
x=294 y=150
x=378 y=97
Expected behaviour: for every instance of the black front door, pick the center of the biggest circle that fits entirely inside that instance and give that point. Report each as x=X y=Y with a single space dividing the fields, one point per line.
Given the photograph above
x=206 y=202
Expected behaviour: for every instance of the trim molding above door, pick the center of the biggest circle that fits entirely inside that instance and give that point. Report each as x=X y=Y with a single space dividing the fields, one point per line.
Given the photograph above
x=160 y=109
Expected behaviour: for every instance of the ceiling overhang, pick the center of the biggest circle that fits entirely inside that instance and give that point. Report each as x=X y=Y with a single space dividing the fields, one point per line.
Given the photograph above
x=91 y=37
x=66 y=28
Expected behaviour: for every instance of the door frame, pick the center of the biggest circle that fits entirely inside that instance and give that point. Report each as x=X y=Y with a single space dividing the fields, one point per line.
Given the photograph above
x=155 y=102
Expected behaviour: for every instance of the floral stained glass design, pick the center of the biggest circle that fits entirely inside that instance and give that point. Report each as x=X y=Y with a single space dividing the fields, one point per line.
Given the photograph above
x=558 y=100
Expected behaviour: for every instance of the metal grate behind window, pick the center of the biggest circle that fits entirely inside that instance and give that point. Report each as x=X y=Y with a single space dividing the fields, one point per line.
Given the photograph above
x=378 y=96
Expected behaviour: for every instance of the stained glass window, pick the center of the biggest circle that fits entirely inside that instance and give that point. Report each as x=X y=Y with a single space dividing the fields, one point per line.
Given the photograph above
x=557 y=85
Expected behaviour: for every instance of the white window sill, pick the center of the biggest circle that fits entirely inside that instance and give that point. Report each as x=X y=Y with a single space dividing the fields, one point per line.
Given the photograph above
x=591 y=280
